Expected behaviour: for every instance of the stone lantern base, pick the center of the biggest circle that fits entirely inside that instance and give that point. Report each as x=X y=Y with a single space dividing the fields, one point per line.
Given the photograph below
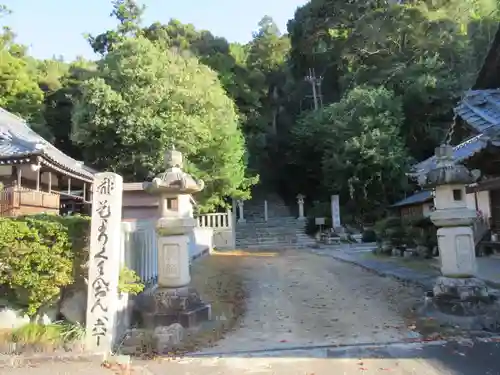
x=461 y=296
x=462 y=288
x=166 y=306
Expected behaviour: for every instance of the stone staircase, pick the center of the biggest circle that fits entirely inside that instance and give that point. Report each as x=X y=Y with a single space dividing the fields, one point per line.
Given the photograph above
x=281 y=231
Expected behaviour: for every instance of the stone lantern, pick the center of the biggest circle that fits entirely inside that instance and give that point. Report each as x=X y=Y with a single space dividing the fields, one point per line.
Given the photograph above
x=455 y=234
x=173 y=300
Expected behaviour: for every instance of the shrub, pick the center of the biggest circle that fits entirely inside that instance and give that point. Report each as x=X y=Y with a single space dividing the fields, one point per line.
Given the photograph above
x=369 y=235
x=40 y=255
x=129 y=282
x=385 y=229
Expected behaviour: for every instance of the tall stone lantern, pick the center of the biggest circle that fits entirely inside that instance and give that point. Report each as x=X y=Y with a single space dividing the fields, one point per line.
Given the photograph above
x=173 y=300
x=454 y=221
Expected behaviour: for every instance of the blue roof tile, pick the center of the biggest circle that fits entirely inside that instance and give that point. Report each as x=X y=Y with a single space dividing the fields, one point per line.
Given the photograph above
x=461 y=152
x=480 y=109
x=420 y=197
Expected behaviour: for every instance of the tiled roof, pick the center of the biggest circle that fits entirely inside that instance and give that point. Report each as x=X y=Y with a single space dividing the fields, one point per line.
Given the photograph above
x=17 y=139
x=420 y=197
x=480 y=109
x=461 y=152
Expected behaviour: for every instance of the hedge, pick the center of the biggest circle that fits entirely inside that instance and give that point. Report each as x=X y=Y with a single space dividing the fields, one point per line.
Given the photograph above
x=39 y=256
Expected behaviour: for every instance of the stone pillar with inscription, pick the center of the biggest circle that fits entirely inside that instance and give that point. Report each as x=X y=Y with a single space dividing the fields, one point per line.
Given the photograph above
x=104 y=261
x=173 y=300
x=455 y=235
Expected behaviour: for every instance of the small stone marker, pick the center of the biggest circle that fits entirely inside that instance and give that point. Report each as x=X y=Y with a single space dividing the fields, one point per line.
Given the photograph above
x=104 y=261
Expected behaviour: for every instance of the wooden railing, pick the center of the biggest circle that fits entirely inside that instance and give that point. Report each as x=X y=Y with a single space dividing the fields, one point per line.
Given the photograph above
x=17 y=201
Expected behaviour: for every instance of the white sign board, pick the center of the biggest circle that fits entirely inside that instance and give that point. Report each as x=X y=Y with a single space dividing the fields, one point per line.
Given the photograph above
x=335 y=211
x=104 y=260
x=320 y=221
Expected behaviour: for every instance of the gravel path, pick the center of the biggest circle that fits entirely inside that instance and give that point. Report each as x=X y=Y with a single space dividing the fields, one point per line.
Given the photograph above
x=301 y=299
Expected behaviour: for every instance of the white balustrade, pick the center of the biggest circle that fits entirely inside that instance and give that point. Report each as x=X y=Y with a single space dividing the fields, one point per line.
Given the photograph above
x=216 y=220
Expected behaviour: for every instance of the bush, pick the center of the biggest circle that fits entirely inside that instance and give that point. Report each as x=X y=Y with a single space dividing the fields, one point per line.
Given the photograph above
x=129 y=282
x=386 y=229
x=369 y=235
x=40 y=255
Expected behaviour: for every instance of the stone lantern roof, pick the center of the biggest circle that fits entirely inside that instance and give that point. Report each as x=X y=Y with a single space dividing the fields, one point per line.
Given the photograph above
x=447 y=171
x=174 y=180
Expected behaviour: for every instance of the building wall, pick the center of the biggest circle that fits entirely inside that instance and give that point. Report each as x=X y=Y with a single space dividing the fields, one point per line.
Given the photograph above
x=483 y=202
x=483 y=199
x=413 y=211
x=139 y=205
x=425 y=209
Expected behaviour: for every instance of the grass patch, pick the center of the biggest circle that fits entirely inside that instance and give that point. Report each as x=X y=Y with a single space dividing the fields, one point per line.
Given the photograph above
x=34 y=337
x=37 y=334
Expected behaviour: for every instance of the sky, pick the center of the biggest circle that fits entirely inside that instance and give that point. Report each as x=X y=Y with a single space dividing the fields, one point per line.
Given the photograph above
x=56 y=27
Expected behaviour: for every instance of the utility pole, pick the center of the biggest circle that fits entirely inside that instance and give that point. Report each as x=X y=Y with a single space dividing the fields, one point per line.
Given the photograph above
x=316 y=86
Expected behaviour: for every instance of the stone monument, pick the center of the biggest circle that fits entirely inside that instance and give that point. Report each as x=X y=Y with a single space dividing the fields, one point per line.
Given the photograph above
x=104 y=262
x=173 y=300
x=455 y=236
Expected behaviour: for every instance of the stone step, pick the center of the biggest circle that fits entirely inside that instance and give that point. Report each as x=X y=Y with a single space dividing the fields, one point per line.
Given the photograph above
x=293 y=239
x=268 y=231
x=273 y=221
x=274 y=247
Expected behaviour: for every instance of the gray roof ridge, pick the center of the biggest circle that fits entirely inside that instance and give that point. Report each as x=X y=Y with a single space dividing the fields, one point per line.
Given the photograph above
x=12 y=135
x=40 y=144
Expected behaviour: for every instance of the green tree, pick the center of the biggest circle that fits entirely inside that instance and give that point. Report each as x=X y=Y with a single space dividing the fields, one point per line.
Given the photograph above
x=129 y=16
x=353 y=148
x=142 y=101
x=425 y=51
x=59 y=102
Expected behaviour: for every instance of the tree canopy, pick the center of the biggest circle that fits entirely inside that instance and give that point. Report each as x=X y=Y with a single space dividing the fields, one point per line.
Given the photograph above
x=144 y=100
x=345 y=99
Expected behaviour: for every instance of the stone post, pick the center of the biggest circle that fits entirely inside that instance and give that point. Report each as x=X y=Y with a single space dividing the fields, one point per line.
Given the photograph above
x=265 y=210
x=300 y=201
x=104 y=261
x=235 y=213
x=241 y=218
x=335 y=207
x=455 y=235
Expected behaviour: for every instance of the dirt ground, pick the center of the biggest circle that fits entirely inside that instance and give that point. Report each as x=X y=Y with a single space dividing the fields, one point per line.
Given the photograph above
x=296 y=298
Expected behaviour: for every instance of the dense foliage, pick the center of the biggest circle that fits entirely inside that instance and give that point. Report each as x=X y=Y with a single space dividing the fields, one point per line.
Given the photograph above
x=40 y=255
x=390 y=77
x=145 y=99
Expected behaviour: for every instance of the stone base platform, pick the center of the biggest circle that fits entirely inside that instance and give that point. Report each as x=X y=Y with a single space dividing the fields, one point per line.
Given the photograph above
x=461 y=296
x=461 y=288
x=165 y=306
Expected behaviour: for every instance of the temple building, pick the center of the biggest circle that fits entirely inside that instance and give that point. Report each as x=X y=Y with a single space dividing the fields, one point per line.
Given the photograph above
x=36 y=176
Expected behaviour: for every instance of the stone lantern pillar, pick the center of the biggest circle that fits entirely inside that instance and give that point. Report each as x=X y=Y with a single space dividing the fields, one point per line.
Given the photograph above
x=454 y=221
x=173 y=300
x=300 y=201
